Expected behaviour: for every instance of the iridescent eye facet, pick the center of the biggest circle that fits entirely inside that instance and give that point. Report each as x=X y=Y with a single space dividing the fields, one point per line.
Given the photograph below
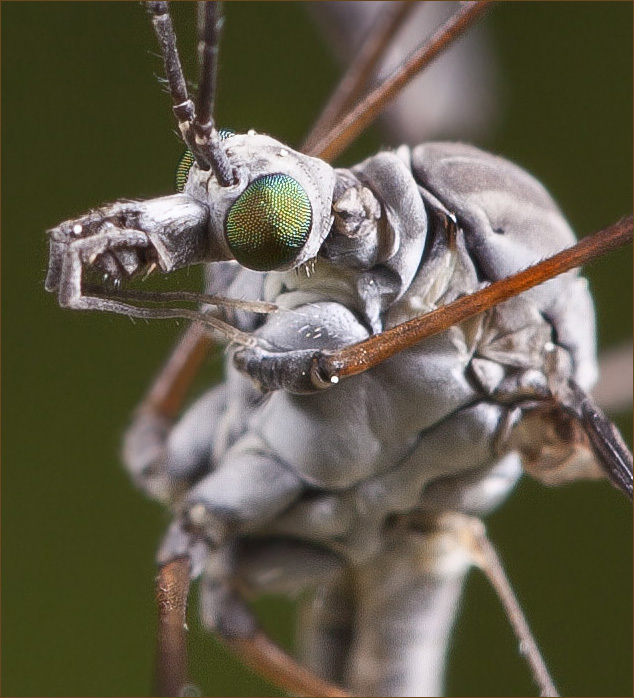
x=188 y=159
x=269 y=223
x=182 y=170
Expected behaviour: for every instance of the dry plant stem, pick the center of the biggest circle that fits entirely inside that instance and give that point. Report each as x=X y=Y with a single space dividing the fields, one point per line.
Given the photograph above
x=336 y=140
x=172 y=589
x=387 y=23
x=362 y=356
x=268 y=660
x=488 y=560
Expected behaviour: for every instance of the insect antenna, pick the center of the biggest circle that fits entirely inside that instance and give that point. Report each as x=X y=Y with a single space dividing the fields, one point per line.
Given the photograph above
x=195 y=121
x=206 y=137
x=345 y=131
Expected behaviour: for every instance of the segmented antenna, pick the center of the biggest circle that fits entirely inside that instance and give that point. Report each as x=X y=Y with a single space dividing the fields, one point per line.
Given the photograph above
x=195 y=121
x=206 y=136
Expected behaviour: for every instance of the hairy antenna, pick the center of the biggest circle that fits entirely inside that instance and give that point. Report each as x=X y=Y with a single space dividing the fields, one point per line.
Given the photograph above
x=195 y=122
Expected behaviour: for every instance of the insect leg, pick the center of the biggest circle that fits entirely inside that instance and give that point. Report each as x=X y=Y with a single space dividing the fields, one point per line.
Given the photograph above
x=226 y=614
x=375 y=44
x=344 y=132
x=172 y=592
x=364 y=355
x=409 y=598
x=486 y=557
x=326 y=618
x=193 y=297
x=325 y=631
x=180 y=558
x=263 y=566
x=294 y=338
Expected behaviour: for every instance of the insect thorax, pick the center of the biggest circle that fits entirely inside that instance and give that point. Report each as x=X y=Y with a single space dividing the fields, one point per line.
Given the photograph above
x=427 y=430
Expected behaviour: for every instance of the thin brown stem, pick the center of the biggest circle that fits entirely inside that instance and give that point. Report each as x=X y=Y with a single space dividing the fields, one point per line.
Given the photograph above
x=172 y=589
x=269 y=660
x=339 y=137
x=329 y=366
x=355 y=79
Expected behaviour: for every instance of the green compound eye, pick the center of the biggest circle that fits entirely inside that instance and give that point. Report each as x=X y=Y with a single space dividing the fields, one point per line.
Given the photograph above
x=182 y=170
x=269 y=222
x=187 y=160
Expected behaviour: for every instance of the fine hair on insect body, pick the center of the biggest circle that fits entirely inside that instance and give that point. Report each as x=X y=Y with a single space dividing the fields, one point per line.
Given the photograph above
x=257 y=125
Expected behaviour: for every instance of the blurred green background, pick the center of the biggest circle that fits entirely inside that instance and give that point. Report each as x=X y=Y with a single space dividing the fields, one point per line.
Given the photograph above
x=85 y=122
